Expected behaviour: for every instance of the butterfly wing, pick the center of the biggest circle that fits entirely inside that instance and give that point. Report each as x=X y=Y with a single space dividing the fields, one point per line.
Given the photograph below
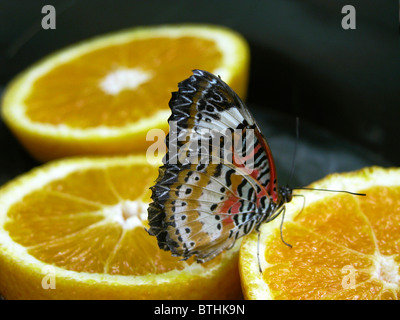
x=203 y=203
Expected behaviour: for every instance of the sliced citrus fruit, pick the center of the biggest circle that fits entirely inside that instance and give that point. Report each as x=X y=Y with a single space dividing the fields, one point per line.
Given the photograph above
x=103 y=95
x=344 y=246
x=75 y=229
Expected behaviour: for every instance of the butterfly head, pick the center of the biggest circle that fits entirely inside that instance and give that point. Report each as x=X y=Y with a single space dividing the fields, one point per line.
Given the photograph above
x=285 y=194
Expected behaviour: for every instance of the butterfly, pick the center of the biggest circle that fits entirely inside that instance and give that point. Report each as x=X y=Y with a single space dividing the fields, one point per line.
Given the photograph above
x=201 y=208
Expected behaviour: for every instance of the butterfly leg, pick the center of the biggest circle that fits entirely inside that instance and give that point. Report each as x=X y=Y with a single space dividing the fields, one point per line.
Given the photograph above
x=283 y=217
x=304 y=203
x=276 y=214
x=258 y=251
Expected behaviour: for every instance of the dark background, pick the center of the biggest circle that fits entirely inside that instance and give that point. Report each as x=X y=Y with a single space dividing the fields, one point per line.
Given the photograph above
x=340 y=82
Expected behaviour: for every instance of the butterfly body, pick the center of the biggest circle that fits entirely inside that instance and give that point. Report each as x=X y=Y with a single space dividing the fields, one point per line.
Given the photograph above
x=218 y=181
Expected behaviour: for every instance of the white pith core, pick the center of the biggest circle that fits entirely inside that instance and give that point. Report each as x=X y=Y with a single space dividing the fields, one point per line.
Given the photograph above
x=129 y=214
x=123 y=79
x=386 y=269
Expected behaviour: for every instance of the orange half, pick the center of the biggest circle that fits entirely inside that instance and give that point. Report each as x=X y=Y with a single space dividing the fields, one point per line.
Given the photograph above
x=80 y=224
x=343 y=246
x=103 y=95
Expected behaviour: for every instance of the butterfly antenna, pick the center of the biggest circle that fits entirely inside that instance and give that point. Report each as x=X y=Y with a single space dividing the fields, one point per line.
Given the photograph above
x=294 y=151
x=329 y=190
